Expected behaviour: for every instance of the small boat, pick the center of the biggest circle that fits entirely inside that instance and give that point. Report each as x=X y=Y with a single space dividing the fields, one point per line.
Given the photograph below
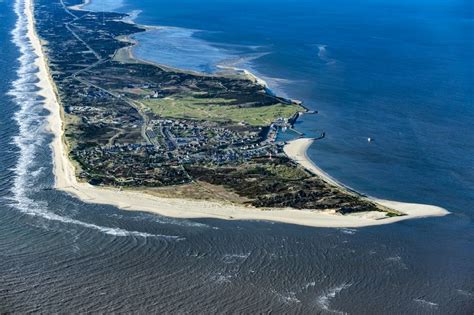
x=370 y=139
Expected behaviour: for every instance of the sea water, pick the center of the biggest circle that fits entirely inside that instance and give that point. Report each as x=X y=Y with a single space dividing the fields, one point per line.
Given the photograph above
x=398 y=72
x=61 y=255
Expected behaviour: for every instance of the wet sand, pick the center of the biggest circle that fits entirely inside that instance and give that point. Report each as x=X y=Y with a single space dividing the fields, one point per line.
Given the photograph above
x=65 y=179
x=297 y=149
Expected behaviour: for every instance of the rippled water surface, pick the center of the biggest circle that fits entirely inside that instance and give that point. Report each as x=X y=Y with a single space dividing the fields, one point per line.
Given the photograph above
x=399 y=72
x=59 y=254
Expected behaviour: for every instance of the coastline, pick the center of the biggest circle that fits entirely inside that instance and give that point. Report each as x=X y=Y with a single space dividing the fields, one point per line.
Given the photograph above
x=227 y=70
x=297 y=151
x=65 y=179
x=232 y=71
x=80 y=7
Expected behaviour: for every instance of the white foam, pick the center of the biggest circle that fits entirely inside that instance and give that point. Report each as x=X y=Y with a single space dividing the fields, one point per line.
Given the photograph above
x=321 y=50
x=309 y=285
x=323 y=55
x=426 y=303
x=33 y=135
x=235 y=258
x=465 y=293
x=324 y=300
x=348 y=231
x=220 y=278
x=398 y=261
x=287 y=297
x=166 y=220
x=132 y=16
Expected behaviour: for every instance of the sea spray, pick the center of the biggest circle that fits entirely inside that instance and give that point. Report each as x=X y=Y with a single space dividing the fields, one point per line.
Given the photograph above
x=33 y=135
x=324 y=300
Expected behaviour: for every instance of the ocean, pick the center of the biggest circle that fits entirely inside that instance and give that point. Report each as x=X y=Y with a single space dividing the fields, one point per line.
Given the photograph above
x=400 y=72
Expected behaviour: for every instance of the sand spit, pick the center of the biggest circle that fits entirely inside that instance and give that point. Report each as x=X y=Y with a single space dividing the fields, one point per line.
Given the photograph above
x=65 y=179
x=297 y=149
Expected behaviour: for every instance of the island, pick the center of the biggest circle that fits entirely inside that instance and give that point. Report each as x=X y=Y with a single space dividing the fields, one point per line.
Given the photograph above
x=148 y=137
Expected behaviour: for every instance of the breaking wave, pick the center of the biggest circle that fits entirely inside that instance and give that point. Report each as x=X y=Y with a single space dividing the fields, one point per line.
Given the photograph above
x=324 y=300
x=426 y=303
x=323 y=55
x=31 y=119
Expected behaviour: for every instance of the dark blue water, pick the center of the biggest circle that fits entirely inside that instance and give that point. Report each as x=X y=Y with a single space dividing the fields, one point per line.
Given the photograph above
x=401 y=72
x=58 y=254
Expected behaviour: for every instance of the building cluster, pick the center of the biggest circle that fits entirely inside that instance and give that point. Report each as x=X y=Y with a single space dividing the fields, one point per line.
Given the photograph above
x=196 y=142
x=176 y=143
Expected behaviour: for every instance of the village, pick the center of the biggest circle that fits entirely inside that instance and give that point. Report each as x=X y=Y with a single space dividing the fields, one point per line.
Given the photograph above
x=175 y=143
x=136 y=125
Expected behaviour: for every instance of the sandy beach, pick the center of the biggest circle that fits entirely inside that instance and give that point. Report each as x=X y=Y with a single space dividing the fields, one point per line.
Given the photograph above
x=65 y=179
x=297 y=149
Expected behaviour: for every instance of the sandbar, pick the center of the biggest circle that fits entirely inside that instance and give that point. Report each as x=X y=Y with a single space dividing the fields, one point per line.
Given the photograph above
x=65 y=178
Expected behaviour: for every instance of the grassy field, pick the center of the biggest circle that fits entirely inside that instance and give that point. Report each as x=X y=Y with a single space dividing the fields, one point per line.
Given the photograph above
x=280 y=172
x=215 y=109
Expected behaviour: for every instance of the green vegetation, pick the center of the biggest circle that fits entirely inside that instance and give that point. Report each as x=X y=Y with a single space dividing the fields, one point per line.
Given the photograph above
x=173 y=133
x=217 y=109
x=286 y=172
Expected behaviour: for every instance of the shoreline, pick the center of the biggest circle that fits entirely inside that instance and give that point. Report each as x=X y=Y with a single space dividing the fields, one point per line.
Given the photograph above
x=65 y=178
x=80 y=7
x=297 y=151
x=233 y=71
